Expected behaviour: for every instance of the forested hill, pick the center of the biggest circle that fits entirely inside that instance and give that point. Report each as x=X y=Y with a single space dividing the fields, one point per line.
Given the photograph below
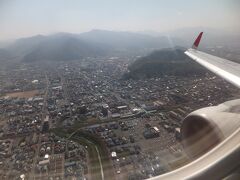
x=164 y=62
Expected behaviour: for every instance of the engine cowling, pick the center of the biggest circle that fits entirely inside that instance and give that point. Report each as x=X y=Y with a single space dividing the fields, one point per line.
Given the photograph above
x=205 y=128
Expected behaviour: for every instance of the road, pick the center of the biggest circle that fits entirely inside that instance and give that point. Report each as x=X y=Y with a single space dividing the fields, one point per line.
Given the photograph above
x=99 y=157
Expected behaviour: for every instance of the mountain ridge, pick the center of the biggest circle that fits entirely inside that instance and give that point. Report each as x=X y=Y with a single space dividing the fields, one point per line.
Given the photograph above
x=89 y=44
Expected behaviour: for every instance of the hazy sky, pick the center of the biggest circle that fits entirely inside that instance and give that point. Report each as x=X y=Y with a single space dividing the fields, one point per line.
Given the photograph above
x=20 y=18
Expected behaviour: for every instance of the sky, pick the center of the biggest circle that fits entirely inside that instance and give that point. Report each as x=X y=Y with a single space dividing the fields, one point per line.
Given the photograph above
x=22 y=18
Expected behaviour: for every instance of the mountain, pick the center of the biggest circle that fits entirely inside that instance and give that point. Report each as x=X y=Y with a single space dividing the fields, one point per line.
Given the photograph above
x=164 y=62
x=212 y=37
x=67 y=46
x=4 y=54
x=126 y=40
x=63 y=48
x=25 y=45
x=56 y=47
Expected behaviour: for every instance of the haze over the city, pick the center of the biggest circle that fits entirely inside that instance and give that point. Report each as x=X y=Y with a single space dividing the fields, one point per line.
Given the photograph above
x=119 y=89
x=21 y=18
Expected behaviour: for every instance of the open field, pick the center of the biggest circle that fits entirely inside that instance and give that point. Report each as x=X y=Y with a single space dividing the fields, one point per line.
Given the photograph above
x=24 y=94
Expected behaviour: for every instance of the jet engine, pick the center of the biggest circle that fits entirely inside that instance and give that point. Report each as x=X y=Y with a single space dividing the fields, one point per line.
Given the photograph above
x=203 y=129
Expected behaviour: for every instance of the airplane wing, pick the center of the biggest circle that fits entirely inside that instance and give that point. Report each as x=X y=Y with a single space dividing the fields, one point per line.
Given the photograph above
x=221 y=162
x=228 y=70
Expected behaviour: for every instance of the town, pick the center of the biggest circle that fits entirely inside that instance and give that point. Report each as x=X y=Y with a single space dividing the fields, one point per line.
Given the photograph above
x=83 y=120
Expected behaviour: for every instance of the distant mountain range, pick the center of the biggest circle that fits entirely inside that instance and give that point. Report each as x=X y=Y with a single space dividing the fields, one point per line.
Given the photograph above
x=67 y=46
x=63 y=48
x=211 y=37
x=164 y=62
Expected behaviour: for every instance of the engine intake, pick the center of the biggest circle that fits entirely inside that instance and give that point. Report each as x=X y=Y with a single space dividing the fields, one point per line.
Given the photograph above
x=205 y=128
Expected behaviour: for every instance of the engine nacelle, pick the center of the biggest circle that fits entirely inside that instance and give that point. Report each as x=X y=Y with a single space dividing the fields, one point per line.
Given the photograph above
x=205 y=128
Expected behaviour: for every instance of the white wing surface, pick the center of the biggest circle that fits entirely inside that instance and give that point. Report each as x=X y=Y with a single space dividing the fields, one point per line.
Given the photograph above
x=226 y=69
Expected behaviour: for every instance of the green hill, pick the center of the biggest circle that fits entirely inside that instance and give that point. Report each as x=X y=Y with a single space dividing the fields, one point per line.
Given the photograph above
x=164 y=62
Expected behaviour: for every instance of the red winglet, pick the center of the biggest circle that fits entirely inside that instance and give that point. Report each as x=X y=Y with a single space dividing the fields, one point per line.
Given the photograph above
x=197 y=41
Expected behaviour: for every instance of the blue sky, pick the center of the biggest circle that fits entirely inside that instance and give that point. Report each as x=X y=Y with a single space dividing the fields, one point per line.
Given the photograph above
x=20 y=18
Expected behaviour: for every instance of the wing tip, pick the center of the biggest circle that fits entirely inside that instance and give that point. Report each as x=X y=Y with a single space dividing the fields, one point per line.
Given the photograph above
x=197 y=41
